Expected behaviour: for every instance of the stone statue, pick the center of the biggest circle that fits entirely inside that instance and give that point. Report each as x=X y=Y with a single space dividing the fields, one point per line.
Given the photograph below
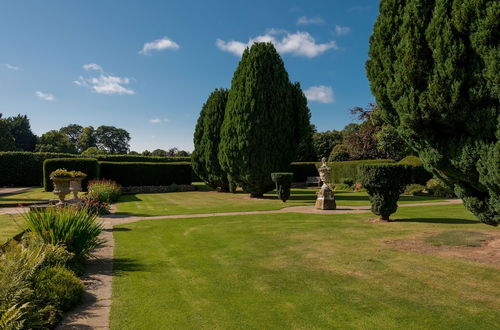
x=325 y=199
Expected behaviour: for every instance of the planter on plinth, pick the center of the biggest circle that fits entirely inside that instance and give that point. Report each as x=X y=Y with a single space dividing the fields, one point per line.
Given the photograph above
x=75 y=186
x=61 y=188
x=325 y=199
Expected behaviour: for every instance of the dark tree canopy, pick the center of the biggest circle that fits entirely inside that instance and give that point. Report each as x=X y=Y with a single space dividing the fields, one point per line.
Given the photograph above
x=205 y=159
x=7 y=142
x=259 y=133
x=72 y=132
x=87 y=139
x=434 y=70
x=304 y=130
x=324 y=142
x=20 y=129
x=113 y=140
x=55 y=141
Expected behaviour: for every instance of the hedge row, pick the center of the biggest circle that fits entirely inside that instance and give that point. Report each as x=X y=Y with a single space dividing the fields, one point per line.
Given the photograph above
x=24 y=169
x=146 y=174
x=89 y=166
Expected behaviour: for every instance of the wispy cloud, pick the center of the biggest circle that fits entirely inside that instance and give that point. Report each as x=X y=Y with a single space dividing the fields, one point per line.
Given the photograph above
x=159 y=44
x=304 y=20
x=105 y=83
x=158 y=120
x=342 y=30
x=92 y=66
x=321 y=94
x=45 y=96
x=12 y=67
x=298 y=44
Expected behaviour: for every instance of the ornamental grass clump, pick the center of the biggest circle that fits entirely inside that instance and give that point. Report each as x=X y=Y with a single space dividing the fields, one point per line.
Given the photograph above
x=106 y=191
x=384 y=184
x=283 y=182
x=77 y=229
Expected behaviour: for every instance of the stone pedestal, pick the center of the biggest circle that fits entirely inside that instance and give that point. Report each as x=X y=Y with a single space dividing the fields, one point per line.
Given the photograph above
x=75 y=186
x=61 y=188
x=325 y=200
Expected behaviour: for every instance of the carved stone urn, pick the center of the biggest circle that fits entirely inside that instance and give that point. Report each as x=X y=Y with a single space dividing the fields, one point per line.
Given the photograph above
x=75 y=186
x=325 y=199
x=61 y=188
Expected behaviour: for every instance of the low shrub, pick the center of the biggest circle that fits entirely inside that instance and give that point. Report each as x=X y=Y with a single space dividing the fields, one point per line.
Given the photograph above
x=95 y=206
x=437 y=188
x=76 y=229
x=89 y=166
x=384 y=184
x=146 y=174
x=58 y=287
x=106 y=191
x=283 y=182
x=414 y=189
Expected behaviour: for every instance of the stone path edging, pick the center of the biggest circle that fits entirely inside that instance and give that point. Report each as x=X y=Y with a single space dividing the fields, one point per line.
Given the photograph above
x=95 y=309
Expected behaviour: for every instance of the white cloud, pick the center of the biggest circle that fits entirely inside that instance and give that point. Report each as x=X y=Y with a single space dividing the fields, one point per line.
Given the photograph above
x=321 y=94
x=105 y=83
x=45 y=96
x=158 y=120
x=299 y=43
x=342 y=30
x=12 y=67
x=304 y=20
x=92 y=66
x=159 y=44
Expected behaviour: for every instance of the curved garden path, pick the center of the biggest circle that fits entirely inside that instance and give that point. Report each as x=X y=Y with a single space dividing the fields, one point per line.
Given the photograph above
x=94 y=311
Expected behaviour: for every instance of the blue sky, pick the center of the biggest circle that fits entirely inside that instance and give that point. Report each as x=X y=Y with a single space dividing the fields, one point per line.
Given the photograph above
x=148 y=66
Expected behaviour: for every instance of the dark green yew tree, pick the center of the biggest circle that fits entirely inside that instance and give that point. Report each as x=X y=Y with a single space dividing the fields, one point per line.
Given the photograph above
x=434 y=69
x=304 y=131
x=258 y=135
x=206 y=141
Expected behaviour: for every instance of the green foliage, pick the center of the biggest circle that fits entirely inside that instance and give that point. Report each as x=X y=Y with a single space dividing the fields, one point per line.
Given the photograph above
x=283 y=182
x=159 y=153
x=7 y=142
x=87 y=139
x=438 y=189
x=414 y=189
x=20 y=129
x=324 y=142
x=384 y=184
x=106 y=191
x=389 y=144
x=433 y=68
x=340 y=153
x=411 y=160
x=55 y=141
x=304 y=131
x=112 y=139
x=92 y=152
x=76 y=229
x=89 y=166
x=205 y=159
x=419 y=174
x=141 y=159
x=58 y=287
x=73 y=133
x=303 y=170
x=146 y=174
x=258 y=135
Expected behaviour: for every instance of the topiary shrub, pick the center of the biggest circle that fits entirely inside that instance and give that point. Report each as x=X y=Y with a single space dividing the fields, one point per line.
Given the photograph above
x=89 y=166
x=283 y=182
x=340 y=153
x=384 y=184
x=146 y=174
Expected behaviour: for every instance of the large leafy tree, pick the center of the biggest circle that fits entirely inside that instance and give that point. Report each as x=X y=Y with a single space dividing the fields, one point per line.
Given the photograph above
x=7 y=142
x=112 y=139
x=73 y=133
x=55 y=141
x=20 y=129
x=258 y=135
x=87 y=139
x=324 y=142
x=433 y=68
x=206 y=141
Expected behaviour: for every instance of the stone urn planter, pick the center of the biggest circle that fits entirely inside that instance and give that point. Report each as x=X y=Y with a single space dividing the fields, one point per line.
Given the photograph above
x=325 y=199
x=61 y=188
x=75 y=186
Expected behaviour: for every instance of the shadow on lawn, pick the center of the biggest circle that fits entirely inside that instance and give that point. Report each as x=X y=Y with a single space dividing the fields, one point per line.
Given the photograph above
x=121 y=266
x=439 y=220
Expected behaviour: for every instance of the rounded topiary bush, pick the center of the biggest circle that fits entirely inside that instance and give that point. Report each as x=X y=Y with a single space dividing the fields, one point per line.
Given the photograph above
x=384 y=184
x=283 y=182
x=58 y=287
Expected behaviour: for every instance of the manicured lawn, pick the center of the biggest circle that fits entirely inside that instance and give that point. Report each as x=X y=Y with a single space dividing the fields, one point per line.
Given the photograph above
x=199 y=202
x=10 y=225
x=282 y=271
x=33 y=195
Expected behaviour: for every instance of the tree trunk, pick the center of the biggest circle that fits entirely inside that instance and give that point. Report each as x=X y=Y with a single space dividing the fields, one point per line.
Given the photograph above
x=384 y=217
x=257 y=195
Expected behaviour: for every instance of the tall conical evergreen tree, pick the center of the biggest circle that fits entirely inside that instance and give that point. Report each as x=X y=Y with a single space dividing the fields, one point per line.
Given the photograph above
x=434 y=70
x=206 y=141
x=258 y=133
x=303 y=129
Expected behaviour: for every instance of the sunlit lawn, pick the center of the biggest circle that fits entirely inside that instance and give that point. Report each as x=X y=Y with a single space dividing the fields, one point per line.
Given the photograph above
x=199 y=202
x=31 y=196
x=298 y=271
x=10 y=225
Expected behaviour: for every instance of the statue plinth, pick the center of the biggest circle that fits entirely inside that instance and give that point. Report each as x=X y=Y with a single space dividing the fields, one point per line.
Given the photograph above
x=325 y=199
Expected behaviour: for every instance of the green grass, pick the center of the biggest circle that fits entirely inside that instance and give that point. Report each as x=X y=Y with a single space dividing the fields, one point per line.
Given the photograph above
x=282 y=271
x=33 y=195
x=199 y=202
x=458 y=238
x=10 y=225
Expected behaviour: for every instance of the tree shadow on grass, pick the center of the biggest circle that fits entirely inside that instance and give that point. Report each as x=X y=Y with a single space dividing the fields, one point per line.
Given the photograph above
x=121 y=266
x=439 y=220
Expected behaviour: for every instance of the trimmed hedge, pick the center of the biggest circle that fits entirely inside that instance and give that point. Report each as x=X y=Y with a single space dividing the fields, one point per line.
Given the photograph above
x=146 y=174
x=140 y=159
x=23 y=169
x=302 y=170
x=89 y=166
x=419 y=175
